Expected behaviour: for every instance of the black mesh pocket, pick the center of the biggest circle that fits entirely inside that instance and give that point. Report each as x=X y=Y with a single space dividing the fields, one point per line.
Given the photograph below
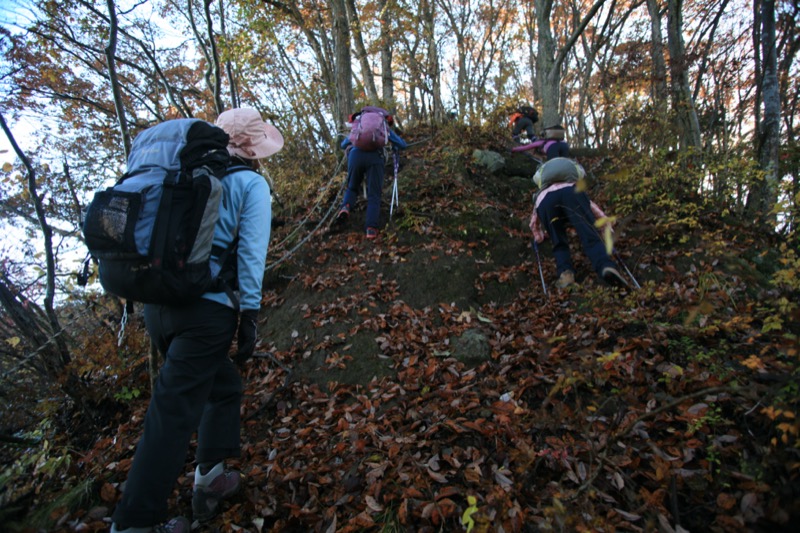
x=110 y=222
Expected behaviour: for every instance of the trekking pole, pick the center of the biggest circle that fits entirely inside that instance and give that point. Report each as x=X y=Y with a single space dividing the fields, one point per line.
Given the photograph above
x=539 y=262
x=395 y=195
x=619 y=260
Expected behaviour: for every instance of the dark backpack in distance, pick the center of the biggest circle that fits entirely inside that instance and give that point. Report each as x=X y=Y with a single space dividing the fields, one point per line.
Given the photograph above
x=529 y=112
x=152 y=232
x=370 y=130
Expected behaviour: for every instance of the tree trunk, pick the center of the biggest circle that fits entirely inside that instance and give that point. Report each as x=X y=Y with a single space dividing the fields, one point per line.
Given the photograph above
x=683 y=105
x=26 y=324
x=363 y=57
x=763 y=197
x=228 y=67
x=549 y=64
x=387 y=73
x=658 y=84
x=62 y=357
x=321 y=45
x=428 y=11
x=110 y=51
x=216 y=68
x=343 y=68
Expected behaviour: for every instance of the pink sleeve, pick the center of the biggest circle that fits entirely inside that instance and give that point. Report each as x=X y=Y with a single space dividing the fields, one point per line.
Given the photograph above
x=598 y=214
x=536 y=227
x=596 y=211
x=532 y=146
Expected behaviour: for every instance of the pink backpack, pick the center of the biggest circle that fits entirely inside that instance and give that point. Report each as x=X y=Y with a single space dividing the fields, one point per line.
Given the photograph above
x=370 y=130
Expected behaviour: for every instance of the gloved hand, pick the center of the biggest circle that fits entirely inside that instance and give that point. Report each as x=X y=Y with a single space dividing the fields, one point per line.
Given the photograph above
x=246 y=337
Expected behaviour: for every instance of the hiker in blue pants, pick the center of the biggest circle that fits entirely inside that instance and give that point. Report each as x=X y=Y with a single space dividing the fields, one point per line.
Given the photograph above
x=199 y=387
x=367 y=164
x=557 y=204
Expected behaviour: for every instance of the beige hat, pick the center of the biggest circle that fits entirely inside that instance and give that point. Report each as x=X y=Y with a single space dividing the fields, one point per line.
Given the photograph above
x=251 y=137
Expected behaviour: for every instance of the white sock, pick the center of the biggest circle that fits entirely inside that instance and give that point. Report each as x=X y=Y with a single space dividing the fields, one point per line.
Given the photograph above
x=205 y=480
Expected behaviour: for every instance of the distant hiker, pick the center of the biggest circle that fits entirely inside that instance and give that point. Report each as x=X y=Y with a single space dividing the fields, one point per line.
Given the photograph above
x=199 y=387
x=551 y=145
x=521 y=120
x=557 y=203
x=370 y=134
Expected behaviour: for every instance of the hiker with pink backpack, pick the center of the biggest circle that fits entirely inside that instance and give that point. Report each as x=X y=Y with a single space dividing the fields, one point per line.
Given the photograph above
x=370 y=136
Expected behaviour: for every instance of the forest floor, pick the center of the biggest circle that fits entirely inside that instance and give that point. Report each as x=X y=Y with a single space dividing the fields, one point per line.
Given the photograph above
x=425 y=382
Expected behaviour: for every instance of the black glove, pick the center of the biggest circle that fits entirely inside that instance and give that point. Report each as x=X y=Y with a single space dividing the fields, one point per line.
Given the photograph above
x=246 y=337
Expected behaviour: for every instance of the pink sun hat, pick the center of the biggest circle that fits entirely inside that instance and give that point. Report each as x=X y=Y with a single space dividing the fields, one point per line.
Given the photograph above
x=251 y=137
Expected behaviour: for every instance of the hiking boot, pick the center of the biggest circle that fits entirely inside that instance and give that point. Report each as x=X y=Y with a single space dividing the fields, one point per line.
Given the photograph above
x=566 y=279
x=210 y=489
x=343 y=214
x=612 y=276
x=176 y=525
x=372 y=233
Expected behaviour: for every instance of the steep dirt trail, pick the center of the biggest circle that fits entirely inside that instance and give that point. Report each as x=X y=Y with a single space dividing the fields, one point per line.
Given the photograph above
x=429 y=365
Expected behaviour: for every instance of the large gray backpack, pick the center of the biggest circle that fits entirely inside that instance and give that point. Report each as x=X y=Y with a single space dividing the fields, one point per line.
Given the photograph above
x=152 y=231
x=558 y=170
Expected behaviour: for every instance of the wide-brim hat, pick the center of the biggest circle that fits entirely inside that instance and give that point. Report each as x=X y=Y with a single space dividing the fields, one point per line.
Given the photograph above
x=251 y=137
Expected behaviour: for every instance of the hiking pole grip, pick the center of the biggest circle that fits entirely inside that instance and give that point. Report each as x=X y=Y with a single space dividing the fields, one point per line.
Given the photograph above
x=539 y=262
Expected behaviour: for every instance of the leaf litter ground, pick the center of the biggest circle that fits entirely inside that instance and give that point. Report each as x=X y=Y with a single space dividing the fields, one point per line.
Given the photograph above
x=408 y=374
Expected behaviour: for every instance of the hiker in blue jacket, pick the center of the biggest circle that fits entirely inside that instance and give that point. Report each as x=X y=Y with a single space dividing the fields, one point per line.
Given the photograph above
x=199 y=387
x=367 y=164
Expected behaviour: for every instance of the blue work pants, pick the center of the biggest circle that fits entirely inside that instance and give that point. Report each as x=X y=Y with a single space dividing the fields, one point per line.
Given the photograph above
x=567 y=206
x=369 y=165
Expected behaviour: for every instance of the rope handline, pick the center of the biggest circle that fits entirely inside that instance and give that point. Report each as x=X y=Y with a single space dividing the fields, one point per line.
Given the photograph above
x=322 y=221
x=320 y=197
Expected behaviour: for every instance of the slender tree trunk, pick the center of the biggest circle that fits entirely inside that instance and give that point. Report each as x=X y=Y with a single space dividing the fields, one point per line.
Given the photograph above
x=550 y=59
x=19 y=311
x=110 y=51
x=428 y=9
x=763 y=197
x=234 y=90
x=216 y=68
x=363 y=57
x=658 y=84
x=344 y=70
x=324 y=52
x=387 y=73
x=546 y=74
x=63 y=357
x=530 y=33
x=685 y=114
x=458 y=26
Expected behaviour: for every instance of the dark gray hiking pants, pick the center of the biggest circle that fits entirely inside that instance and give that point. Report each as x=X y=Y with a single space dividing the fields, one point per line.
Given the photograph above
x=198 y=389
